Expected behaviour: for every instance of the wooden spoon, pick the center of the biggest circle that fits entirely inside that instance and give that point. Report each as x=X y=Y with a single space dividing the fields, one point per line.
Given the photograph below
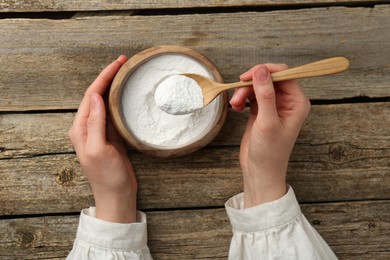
x=211 y=89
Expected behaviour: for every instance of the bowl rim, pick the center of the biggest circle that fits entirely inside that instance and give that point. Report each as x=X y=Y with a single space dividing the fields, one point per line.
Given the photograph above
x=115 y=95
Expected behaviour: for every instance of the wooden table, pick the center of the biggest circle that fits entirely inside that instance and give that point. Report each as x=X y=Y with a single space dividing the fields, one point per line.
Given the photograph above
x=50 y=51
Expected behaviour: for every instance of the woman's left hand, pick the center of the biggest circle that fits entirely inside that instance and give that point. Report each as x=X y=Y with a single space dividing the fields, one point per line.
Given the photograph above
x=102 y=153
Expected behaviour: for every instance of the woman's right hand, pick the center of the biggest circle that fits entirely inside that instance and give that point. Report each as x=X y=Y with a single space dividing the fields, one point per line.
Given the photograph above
x=277 y=113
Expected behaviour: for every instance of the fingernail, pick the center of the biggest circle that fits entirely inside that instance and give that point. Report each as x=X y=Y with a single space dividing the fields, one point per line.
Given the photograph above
x=262 y=74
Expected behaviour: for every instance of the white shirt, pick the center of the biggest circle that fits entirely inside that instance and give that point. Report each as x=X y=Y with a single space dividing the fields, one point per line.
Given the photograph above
x=273 y=230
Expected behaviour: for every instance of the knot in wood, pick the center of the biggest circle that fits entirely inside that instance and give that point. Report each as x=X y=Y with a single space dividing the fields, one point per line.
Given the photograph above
x=26 y=238
x=337 y=152
x=316 y=222
x=2 y=149
x=65 y=176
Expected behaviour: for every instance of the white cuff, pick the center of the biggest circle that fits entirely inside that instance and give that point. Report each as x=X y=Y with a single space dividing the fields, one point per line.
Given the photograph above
x=113 y=236
x=262 y=217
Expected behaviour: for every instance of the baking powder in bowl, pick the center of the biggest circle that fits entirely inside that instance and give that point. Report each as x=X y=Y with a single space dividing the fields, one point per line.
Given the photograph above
x=147 y=121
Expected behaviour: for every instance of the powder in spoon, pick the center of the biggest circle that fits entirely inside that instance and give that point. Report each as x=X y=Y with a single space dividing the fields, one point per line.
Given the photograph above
x=179 y=95
x=148 y=122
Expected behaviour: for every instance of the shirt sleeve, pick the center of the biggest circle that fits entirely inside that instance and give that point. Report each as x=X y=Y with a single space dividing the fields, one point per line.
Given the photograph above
x=274 y=230
x=97 y=239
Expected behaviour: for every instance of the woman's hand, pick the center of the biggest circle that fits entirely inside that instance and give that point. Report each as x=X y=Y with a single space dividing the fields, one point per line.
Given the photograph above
x=102 y=153
x=277 y=113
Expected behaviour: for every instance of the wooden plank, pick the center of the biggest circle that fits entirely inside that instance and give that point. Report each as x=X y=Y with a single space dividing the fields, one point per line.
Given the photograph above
x=48 y=64
x=349 y=159
x=25 y=135
x=208 y=178
x=55 y=183
x=353 y=230
x=37 y=238
x=90 y=5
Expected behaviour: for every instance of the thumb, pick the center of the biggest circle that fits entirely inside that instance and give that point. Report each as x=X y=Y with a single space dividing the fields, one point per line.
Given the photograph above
x=96 y=122
x=265 y=94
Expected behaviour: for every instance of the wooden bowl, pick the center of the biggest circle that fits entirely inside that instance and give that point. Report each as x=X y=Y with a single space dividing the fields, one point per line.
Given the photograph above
x=116 y=110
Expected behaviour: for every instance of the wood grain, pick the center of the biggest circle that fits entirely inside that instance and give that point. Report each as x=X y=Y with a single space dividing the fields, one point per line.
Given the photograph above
x=90 y=5
x=353 y=230
x=48 y=64
x=56 y=184
x=207 y=178
x=342 y=148
x=26 y=135
x=334 y=159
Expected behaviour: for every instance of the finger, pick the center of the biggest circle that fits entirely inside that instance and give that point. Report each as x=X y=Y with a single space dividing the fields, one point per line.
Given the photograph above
x=246 y=76
x=239 y=108
x=265 y=94
x=104 y=79
x=273 y=67
x=96 y=125
x=239 y=97
x=98 y=86
x=241 y=94
x=290 y=87
x=238 y=100
x=106 y=76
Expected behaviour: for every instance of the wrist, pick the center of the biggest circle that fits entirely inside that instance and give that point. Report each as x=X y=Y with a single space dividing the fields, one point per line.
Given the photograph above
x=116 y=208
x=263 y=185
x=255 y=195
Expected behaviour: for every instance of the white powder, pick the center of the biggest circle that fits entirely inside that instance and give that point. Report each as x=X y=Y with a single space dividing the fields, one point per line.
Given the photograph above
x=147 y=121
x=179 y=95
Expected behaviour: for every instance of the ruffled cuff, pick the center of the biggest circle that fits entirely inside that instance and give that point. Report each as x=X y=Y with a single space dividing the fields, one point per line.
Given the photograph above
x=262 y=217
x=113 y=236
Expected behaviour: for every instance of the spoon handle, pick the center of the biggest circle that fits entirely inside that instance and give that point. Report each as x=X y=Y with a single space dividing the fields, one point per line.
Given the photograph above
x=318 y=68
